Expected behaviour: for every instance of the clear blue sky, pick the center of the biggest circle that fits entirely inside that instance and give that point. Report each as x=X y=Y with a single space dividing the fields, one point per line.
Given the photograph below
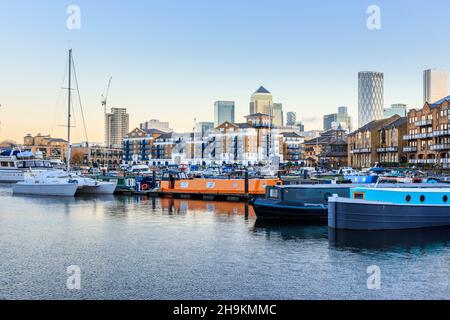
x=171 y=60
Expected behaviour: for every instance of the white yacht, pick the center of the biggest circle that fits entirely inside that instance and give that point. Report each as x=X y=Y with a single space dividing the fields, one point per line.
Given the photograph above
x=14 y=163
x=47 y=183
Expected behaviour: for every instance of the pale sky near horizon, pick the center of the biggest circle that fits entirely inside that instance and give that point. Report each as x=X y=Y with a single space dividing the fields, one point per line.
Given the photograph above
x=170 y=60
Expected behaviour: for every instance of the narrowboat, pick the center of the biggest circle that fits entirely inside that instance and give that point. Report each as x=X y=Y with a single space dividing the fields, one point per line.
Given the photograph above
x=178 y=184
x=300 y=202
x=390 y=208
x=310 y=202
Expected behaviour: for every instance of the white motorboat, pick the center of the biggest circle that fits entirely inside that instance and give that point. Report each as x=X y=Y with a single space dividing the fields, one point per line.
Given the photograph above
x=13 y=164
x=50 y=183
x=91 y=186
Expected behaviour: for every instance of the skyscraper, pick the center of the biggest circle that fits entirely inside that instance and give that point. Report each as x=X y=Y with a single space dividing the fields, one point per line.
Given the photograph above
x=370 y=97
x=223 y=112
x=277 y=113
x=261 y=101
x=291 y=118
x=398 y=108
x=435 y=85
x=116 y=127
x=334 y=120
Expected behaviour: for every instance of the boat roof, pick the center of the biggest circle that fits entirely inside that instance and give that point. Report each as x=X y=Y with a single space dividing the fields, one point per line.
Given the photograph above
x=412 y=190
x=384 y=186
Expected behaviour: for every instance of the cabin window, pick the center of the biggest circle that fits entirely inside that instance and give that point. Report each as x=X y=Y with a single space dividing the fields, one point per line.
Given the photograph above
x=4 y=164
x=358 y=195
x=445 y=198
x=273 y=193
x=408 y=198
x=422 y=198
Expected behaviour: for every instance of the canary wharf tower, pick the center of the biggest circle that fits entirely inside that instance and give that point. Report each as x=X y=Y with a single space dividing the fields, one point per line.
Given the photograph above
x=370 y=97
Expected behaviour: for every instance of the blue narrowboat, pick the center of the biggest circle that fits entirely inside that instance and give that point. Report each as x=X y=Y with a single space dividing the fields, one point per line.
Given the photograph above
x=390 y=209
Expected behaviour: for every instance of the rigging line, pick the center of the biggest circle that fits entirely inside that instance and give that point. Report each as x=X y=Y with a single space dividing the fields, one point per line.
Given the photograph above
x=79 y=100
x=56 y=115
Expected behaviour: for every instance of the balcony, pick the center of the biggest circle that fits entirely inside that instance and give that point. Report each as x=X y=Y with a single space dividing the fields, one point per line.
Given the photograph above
x=441 y=133
x=387 y=149
x=362 y=150
x=410 y=149
x=423 y=161
x=418 y=136
x=423 y=123
x=445 y=161
x=441 y=146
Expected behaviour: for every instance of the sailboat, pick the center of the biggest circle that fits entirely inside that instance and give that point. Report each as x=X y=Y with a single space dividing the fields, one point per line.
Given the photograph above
x=60 y=182
x=85 y=185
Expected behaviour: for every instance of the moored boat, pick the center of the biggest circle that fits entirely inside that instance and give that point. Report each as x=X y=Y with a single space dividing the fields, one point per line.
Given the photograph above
x=300 y=202
x=51 y=183
x=390 y=209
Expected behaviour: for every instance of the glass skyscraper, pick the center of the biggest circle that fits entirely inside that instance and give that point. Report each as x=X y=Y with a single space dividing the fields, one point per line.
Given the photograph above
x=223 y=112
x=370 y=97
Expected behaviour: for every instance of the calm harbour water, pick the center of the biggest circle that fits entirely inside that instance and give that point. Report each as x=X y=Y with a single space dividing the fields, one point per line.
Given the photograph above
x=136 y=248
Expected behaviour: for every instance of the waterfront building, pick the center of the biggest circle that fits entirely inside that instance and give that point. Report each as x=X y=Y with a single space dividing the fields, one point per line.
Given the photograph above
x=156 y=124
x=390 y=145
x=395 y=109
x=435 y=85
x=138 y=146
x=363 y=143
x=223 y=112
x=278 y=116
x=293 y=147
x=201 y=137
x=247 y=143
x=428 y=136
x=116 y=127
x=291 y=118
x=261 y=102
x=329 y=149
x=50 y=148
x=341 y=118
x=370 y=97
x=96 y=155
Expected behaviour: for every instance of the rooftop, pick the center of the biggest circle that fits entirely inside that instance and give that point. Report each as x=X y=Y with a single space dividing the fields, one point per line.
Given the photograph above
x=262 y=90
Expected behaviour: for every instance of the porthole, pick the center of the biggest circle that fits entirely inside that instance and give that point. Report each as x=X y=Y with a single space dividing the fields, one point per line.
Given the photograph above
x=445 y=198
x=422 y=198
x=408 y=198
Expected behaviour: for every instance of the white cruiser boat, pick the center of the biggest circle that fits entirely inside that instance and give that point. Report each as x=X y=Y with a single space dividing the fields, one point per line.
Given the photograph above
x=14 y=163
x=48 y=183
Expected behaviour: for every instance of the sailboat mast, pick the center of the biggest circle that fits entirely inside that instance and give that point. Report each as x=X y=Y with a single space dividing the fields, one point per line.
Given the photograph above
x=68 y=108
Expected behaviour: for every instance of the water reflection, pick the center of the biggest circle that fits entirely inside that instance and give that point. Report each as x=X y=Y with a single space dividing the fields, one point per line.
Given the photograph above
x=290 y=230
x=383 y=240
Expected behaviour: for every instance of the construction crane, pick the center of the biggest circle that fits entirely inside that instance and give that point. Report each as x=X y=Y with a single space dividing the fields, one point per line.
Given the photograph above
x=105 y=96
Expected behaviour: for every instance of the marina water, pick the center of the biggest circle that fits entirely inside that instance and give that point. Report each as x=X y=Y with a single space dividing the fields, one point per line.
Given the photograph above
x=139 y=248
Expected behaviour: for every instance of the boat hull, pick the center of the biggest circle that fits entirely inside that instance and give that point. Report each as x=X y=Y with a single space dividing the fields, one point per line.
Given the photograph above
x=102 y=188
x=266 y=209
x=364 y=215
x=60 y=190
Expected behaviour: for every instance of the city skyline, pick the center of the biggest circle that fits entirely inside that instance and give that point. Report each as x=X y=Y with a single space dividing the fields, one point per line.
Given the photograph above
x=150 y=69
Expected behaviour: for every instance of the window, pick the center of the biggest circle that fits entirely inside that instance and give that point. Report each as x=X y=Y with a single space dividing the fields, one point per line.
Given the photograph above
x=422 y=198
x=408 y=198
x=445 y=198
x=358 y=195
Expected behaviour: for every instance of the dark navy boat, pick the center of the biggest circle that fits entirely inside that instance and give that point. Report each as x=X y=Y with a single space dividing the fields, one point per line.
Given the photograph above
x=300 y=202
